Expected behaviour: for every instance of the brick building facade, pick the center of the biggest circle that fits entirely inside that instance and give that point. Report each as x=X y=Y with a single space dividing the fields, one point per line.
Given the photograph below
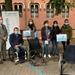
x=39 y=11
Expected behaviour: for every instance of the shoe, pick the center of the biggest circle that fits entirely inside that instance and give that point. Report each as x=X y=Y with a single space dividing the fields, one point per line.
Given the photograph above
x=16 y=61
x=1 y=62
x=25 y=58
x=44 y=55
x=57 y=54
x=4 y=59
x=49 y=55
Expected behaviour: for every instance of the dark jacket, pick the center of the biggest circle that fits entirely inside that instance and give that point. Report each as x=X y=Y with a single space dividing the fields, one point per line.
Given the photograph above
x=32 y=27
x=3 y=32
x=43 y=33
x=67 y=29
x=15 y=39
x=54 y=31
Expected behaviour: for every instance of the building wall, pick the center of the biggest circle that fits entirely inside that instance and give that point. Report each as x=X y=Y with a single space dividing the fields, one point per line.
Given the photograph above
x=26 y=14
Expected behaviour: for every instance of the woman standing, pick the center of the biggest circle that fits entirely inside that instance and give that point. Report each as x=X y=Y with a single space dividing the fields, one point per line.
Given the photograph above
x=55 y=30
x=33 y=39
x=45 y=34
x=31 y=27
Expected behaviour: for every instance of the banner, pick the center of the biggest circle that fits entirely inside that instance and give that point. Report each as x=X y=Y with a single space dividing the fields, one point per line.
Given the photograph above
x=10 y=20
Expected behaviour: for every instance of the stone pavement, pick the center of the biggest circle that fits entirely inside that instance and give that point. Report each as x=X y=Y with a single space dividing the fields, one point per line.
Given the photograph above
x=51 y=68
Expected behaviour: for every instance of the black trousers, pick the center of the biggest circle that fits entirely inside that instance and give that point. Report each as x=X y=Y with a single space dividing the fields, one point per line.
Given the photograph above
x=66 y=43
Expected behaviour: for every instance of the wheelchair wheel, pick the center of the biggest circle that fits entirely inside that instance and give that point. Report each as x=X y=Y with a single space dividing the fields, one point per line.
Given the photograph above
x=26 y=44
x=11 y=54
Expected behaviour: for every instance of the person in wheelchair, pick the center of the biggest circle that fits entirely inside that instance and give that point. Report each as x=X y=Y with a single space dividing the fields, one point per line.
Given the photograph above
x=16 y=43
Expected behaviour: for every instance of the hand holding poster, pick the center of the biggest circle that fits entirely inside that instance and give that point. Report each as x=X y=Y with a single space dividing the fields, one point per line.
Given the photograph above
x=61 y=37
x=27 y=33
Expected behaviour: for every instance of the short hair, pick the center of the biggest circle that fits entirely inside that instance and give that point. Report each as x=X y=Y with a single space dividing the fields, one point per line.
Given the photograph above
x=55 y=22
x=45 y=22
x=16 y=28
x=66 y=20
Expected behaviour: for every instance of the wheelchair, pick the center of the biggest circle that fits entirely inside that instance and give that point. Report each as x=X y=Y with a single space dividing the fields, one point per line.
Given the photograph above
x=21 y=56
x=34 y=48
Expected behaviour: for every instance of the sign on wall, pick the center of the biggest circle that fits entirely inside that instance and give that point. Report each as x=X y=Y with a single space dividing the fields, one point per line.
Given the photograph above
x=10 y=20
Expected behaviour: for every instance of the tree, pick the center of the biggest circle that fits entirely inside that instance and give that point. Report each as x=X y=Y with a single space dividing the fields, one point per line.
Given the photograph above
x=58 y=4
x=8 y=5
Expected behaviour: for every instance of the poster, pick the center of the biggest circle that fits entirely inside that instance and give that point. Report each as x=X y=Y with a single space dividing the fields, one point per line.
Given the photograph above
x=61 y=37
x=10 y=20
x=27 y=33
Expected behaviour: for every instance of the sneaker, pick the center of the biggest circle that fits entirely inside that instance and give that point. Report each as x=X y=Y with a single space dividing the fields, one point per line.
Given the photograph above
x=49 y=55
x=44 y=55
x=16 y=61
x=1 y=62
x=4 y=59
x=25 y=58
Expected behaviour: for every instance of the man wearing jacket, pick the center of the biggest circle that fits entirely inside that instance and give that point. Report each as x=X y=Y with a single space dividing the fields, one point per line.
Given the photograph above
x=45 y=34
x=66 y=29
x=3 y=38
x=16 y=42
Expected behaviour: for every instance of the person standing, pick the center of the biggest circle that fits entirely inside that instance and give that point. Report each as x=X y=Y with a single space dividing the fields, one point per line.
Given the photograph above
x=3 y=39
x=45 y=34
x=32 y=38
x=66 y=29
x=54 y=31
x=31 y=26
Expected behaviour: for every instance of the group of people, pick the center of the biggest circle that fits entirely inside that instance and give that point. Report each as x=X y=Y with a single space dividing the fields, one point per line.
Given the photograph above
x=15 y=40
x=48 y=35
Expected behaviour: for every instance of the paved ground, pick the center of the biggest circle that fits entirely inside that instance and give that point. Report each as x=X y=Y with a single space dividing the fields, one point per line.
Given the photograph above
x=51 y=68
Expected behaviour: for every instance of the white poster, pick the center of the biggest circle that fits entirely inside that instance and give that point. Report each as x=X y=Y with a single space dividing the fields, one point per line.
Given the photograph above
x=10 y=20
x=61 y=37
x=27 y=33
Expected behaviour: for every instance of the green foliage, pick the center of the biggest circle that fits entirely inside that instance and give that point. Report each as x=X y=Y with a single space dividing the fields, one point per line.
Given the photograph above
x=58 y=4
x=8 y=5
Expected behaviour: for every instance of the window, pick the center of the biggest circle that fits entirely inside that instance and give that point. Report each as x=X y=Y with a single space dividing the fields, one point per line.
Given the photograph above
x=18 y=7
x=73 y=3
x=50 y=10
x=65 y=11
x=34 y=9
x=2 y=8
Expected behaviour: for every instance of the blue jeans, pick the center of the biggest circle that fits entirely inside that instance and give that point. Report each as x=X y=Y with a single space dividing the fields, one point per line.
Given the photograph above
x=20 y=51
x=46 y=48
x=54 y=47
x=36 y=44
